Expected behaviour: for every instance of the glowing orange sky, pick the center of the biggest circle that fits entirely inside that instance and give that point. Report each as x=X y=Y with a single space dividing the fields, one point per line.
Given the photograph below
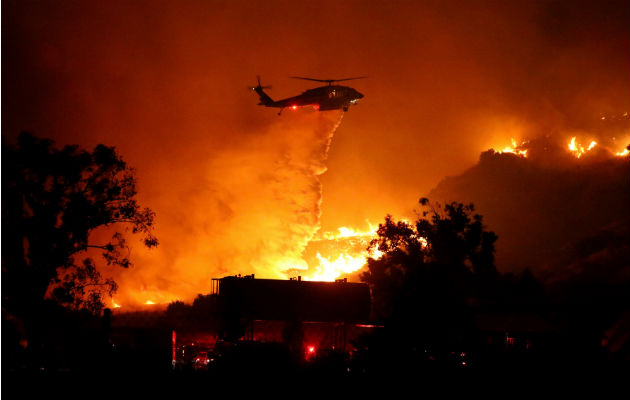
x=165 y=82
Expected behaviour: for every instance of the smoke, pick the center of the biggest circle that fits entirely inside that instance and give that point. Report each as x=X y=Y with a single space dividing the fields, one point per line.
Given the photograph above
x=165 y=82
x=254 y=211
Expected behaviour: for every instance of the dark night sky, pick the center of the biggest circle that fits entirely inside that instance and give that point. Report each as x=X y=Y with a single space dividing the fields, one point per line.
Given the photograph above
x=165 y=82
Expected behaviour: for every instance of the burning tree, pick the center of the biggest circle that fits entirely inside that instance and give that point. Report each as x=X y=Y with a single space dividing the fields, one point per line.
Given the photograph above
x=430 y=271
x=53 y=202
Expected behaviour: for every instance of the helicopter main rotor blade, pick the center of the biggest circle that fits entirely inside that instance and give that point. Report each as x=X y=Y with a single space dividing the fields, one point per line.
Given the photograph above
x=349 y=79
x=311 y=79
x=328 y=80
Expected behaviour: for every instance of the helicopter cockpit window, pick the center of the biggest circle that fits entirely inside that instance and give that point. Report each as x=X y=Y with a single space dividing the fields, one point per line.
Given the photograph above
x=332 y=93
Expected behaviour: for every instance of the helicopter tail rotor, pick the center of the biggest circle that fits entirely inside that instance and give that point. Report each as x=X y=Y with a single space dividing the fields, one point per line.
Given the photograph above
x=265 y=100
x=259 y=85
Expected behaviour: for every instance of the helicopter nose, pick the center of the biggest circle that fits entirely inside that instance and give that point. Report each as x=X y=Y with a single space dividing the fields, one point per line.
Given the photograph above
x=359 y=95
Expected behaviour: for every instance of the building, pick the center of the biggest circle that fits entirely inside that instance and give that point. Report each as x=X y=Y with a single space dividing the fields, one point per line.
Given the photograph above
x=308 y=316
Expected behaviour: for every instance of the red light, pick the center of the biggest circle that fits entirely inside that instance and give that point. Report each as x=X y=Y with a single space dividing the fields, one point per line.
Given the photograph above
x=174 y=346
x=311 y=349
x=316 y=106
x=294 y=107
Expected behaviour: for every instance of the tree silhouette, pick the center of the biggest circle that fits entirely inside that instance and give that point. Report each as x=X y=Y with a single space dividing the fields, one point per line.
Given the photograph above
x=430 y=272
x=53 y=200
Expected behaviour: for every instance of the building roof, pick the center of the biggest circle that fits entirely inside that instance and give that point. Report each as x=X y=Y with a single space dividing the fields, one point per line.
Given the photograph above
x=294 y=299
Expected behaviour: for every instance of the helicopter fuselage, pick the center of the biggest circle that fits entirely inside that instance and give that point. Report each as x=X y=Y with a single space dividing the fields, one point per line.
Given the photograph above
x=330 y=97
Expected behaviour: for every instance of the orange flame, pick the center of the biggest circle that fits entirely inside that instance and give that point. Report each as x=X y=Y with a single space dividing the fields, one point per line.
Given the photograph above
x=623 y=153
x=344 y=261
x=577 y=149
x=517 y=149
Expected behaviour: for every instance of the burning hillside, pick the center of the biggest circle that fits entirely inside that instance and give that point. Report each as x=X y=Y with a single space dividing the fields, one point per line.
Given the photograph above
x=551 y=204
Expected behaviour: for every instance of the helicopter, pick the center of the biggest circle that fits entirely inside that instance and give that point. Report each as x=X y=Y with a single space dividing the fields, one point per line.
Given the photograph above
x=323 y=98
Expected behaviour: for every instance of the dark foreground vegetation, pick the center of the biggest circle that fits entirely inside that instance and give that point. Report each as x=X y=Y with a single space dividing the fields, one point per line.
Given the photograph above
x=439 y=305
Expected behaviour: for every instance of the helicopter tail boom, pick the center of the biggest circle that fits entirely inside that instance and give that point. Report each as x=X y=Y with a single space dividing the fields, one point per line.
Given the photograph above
x=264 y=97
